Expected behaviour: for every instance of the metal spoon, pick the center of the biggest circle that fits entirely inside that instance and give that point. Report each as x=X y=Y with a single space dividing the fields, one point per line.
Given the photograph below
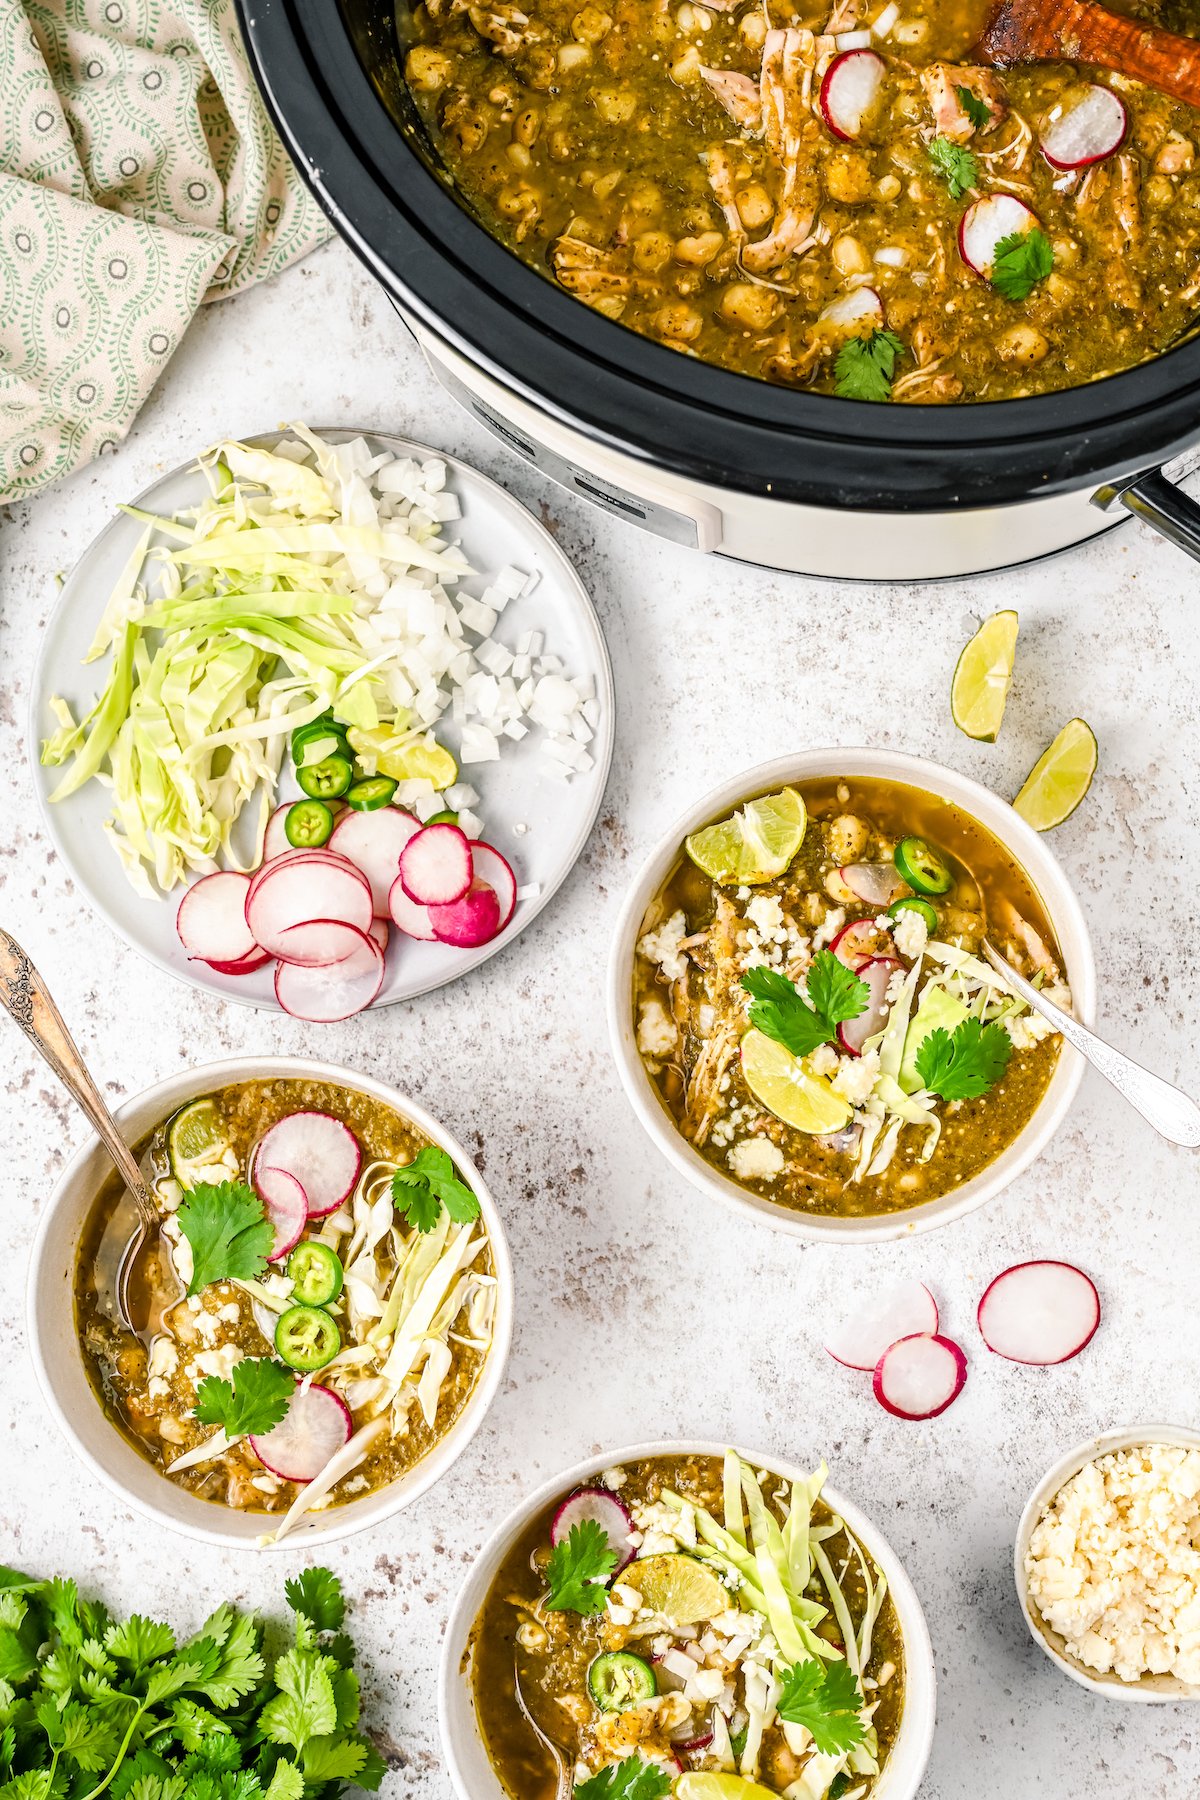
x=564 y=1760
x=1171 y=1112
x=27 y=998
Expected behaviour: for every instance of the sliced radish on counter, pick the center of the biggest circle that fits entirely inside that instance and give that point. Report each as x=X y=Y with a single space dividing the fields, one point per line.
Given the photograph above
x=907 y=1310
x=408 y=917
x=285 y=1204
x=435 y=865
x=854 y=310
x=373 y=842
x=875 y=884
x=472 y=920
x=325 y=994
x=919 y=1377
x=604 y=1509
x=312 y=1431
x=861 y=940
x=318 y=1152
x=850 y=91
x=492 y=868
x=986 y=224
x=877 y=972
x=1087 y=127
x=308 y=885
x=211 y=920
x=1039 y=1313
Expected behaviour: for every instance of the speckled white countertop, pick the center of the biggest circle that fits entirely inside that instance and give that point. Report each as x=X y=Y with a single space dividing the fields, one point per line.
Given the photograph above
x=642 y=1309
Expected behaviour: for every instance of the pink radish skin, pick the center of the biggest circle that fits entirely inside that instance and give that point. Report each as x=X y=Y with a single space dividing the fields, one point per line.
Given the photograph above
x=496 y=871
x=211 y=920
x=435 y=865
x=861 y=941
x=877 y=972
x=986 y=224
x=408 y=917
x=315 y=1427
x=378 y=930
x=373 y=841
x=606 y=1510
x=275 y=840
x=906 y=1310
x=318 y=1152
x=245 y=965
x=330 y=992
x=875 y=884
x=850 y=90
x=1088 y=129
x=469 y=922
x=319 y=943
x=285 y=1204
x=862 y=306
x=694 y=1746
x=301 y=892
x=918 y=1377
x=1039 y=1313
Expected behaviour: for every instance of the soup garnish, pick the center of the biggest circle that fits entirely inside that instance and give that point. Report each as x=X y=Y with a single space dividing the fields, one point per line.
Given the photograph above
x=688 y=1618
x=316 y=1310
x=812 y=1008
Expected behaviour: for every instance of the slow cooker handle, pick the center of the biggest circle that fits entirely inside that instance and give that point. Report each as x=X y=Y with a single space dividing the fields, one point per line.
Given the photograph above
x=1159 y=504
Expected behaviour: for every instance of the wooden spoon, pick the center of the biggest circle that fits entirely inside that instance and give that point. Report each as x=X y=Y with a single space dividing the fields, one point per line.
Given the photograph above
x=1021 y=31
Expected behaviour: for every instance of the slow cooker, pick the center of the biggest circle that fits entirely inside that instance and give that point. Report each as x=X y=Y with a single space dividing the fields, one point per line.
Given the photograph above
x=698 y=454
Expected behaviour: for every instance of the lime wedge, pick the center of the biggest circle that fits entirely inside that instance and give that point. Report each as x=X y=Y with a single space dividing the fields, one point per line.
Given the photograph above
x=982 y=676
x=788 y=1088
x=387 y=753
x=195 y=1140
x=696 y=1786
x=1060 y=777
x=754 y=844
x=678 y=1588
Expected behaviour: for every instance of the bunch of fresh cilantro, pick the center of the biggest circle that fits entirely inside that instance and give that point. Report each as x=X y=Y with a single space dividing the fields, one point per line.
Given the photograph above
x=91 y=1705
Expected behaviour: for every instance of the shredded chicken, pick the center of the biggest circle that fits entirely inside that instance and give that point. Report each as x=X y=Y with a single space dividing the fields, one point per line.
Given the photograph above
x=942 y=81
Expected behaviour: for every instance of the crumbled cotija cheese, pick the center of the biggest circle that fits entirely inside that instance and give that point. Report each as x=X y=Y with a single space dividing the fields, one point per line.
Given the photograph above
x=662 y=946
x=657 y=1035
x=1114 y=1563
x=756 y=1159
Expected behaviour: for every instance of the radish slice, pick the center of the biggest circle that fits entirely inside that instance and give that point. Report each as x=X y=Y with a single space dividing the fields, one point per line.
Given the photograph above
x=906 y=1310
x=1039 y=1313
x=877 y=972
x=373 y=841
x=245 y=965
x=1091 y=126
x=603 y=1507
x=318 y=943
x=875 y=884
x=987 y=223
x=211 y=920
x=317 y=1151
x=859 y=942
x=694 y=1745
x=407 y=916
x=469 y=922
x=492 y=868
x=850 y=90
x=312 y=1431
x=275 y=839
x=919 y=1377
x=285 y=1204
x=862 y=306
x=378 y=929
x=302 y=888
x=333 y=991
x=435 y=865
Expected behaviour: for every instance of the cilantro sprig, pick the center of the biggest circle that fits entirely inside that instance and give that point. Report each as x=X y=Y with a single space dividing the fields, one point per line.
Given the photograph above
x=427 y=1184
x=865 y=366
x=825 y=1699
x=955 y=164
x=579 y=1567
x=254 y=1401
x=965 y=1063
x=977 y=110
x=780 y=1011
x=230 y=1234
x=1020 y=261
x=632 y=1779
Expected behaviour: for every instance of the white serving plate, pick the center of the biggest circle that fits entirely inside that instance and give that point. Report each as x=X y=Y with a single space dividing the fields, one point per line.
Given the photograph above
x=538 y=822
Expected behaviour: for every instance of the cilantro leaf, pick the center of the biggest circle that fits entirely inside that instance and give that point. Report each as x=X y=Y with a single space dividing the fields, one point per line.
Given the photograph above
x=966 y=1064
x=977 y=110
x=955 y=164
x=425 y=1185
x=825 y=1699
x=228 y=1231
x=255 y=1400
x=1019 y=262
x=305 y=1707
x=632 y=1779
x=865 y=366
x=318 y=1594
x=578 y=1569
x=780 y=1011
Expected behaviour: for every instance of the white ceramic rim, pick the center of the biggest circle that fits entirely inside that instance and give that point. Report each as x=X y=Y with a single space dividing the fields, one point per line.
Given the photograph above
x=1151 y=1690
x=601 y=747
x=909 y=1756
x=1044 y=872
x=175 y=1508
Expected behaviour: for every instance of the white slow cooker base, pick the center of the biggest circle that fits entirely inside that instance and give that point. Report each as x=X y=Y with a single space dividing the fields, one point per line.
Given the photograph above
x=779 y=534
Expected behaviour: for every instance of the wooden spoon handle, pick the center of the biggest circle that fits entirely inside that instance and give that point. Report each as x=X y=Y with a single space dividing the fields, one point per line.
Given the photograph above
x=1080 y=31
x=27 y=998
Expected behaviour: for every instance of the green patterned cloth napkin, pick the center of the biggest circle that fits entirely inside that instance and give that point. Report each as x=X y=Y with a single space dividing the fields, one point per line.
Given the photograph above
x=139 y=176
